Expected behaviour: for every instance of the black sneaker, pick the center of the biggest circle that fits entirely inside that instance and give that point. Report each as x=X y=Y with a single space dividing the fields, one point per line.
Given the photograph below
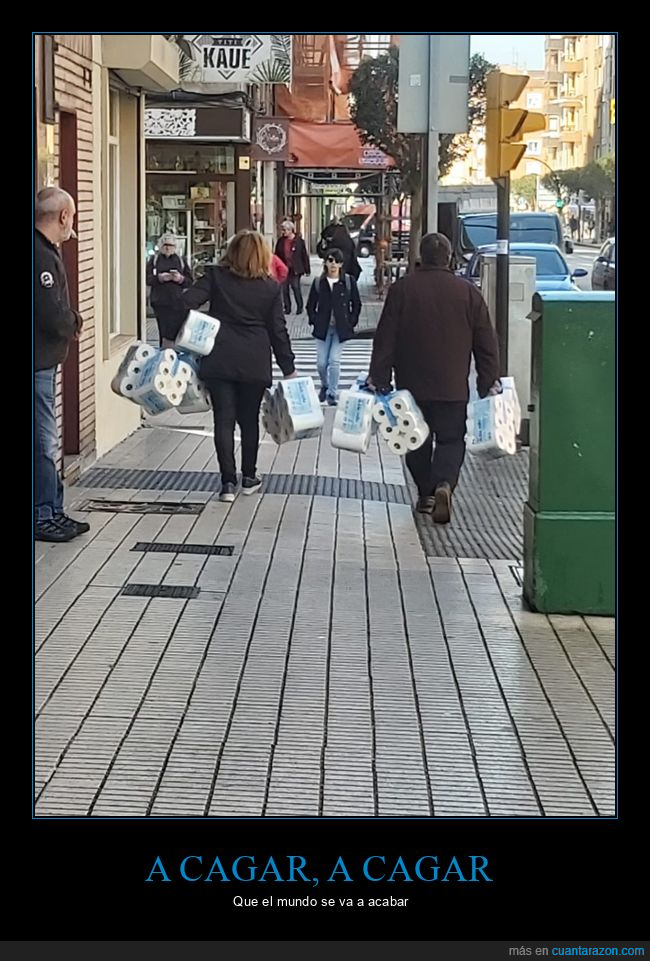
x=249 y=485
x=77 y=527
x=322 y=394
x=50 y=530
x=442 y=510
x=331 y=400
x=425 y=505
x=227 y=494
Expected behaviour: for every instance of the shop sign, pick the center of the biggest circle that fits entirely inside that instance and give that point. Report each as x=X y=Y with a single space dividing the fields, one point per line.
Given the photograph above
x=270 y=139
x=235 y=58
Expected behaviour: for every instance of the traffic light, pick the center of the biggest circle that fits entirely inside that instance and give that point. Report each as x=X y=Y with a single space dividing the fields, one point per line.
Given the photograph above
x=559 y=203
x=504 y=125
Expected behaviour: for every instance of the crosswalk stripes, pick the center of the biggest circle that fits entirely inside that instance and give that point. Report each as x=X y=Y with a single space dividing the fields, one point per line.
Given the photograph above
x=355 y=358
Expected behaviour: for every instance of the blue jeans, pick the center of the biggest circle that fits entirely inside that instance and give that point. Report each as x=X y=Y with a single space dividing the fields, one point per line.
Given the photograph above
x=48 y=489
x=328 y=361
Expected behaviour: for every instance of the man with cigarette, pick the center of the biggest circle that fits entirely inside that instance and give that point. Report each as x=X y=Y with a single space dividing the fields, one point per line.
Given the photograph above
x=431 y=324
x=56 y=324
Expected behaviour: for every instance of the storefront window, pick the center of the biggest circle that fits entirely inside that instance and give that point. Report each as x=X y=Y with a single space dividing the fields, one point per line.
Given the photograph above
x=190 y=193
x=190 y=158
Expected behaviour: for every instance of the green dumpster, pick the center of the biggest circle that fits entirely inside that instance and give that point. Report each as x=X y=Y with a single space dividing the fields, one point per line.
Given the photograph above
x=569 y=519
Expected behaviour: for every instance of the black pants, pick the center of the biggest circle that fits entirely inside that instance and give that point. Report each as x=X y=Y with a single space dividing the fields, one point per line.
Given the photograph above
x=169 y=320
x=292 y=283
x=233 y=402
x=447 y=422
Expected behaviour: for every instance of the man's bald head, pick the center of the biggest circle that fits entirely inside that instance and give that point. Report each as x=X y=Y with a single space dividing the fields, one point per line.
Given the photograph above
x=54 y=214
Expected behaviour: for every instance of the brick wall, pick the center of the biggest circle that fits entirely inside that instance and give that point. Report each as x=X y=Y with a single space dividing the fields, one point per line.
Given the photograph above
x=73 y=85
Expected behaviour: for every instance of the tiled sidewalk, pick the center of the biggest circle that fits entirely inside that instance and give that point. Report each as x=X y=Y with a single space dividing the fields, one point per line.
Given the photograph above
x=326 y=668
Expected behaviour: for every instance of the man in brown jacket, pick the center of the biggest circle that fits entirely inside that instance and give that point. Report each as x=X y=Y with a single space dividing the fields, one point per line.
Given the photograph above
x=431 y=324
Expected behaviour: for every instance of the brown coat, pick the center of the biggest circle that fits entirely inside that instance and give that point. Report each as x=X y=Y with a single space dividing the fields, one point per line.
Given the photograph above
x=431 y=324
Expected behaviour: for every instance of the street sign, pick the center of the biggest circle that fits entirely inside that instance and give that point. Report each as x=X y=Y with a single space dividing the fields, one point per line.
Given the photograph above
x=438 y=102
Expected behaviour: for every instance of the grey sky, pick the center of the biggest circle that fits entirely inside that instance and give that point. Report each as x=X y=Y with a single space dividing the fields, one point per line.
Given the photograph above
x=520 y=49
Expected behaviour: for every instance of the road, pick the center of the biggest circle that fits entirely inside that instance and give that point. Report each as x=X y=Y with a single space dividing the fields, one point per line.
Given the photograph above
x=582 y=257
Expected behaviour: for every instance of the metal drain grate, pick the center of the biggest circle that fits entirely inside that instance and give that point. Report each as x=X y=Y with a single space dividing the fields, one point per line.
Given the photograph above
x=122 y=478
x=487 y=518
x=154 y=547
x=160 y=590
x=142 y=507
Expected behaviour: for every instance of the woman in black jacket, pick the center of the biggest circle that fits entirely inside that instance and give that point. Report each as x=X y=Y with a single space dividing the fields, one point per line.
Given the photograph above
x=168 y=275
x=247 y=301
x=333 y=308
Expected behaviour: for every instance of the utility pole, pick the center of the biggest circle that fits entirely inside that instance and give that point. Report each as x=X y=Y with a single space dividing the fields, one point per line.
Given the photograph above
x=433 y=136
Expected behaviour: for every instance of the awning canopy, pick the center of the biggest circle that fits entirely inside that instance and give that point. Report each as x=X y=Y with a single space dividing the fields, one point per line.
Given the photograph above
x=332 y=145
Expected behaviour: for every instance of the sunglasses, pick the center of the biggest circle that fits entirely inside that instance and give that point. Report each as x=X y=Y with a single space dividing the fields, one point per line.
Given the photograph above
x=332 y=260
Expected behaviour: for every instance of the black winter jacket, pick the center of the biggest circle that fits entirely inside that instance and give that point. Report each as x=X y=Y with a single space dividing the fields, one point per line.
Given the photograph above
x=342 y=300
x=55 y=323
x=252 y=324
x=167 y=294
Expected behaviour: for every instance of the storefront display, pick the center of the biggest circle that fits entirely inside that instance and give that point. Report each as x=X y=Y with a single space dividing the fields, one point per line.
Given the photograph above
x=191 y=193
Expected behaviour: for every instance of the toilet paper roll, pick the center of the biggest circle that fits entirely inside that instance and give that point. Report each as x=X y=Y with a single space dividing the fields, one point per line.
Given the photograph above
x=182 y=371
x=122 y=385
x=382 y=413
x=409 y=421
x=389 y=430
x=137 y=355
x=416 y=437
x=357 y=443
x=142 y=352
x=397 y=444
x=298 y=404
x=156 y=366
x=402 y=402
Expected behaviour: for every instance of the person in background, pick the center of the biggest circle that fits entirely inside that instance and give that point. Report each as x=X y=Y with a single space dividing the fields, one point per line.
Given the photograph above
x=431 y=324
x=247 y=301
x=333 y=309
x=337 y=235
x=279 y=270
x=56 y=325
x=168 y=275
x=291 y=250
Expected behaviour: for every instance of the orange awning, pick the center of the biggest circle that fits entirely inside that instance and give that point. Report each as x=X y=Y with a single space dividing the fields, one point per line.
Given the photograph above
x=332 y=145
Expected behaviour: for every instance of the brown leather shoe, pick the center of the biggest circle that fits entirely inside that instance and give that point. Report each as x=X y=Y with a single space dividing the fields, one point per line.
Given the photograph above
x=442 y=509
x=425 y=505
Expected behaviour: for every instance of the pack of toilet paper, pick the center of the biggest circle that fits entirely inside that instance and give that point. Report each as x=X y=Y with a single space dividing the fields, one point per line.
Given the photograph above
x=510 y=396
x=292 y=411
x=401 y=422
x=131 y=365
x=159 y=380
x=353 y=421
x=491 y=430
x=198 y=334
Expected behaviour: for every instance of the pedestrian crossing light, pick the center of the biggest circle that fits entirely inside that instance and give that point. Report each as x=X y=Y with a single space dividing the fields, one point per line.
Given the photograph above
x=506 y=125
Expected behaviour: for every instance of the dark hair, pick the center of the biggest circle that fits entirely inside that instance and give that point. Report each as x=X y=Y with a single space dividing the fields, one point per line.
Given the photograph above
x=435 y=250
x=335 y=253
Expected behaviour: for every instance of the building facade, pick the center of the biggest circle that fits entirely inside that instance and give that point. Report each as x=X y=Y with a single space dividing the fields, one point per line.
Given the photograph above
x=88 y=118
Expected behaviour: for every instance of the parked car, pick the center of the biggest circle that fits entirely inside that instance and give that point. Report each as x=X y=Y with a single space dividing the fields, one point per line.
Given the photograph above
x=551 y=272
x=478 y=230
x=603 y=274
